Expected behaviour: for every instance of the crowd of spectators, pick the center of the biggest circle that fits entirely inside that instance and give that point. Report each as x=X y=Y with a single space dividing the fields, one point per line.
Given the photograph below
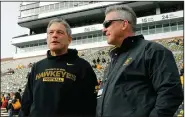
x=11 y=102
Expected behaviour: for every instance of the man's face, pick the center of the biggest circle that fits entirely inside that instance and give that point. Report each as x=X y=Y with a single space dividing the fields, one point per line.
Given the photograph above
x=114 y=29
x=57 y=37
x=11 y=94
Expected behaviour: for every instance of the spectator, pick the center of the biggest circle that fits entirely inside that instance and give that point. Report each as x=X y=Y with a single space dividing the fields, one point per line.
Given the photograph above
x=82 y=54
x=10 y=71
x=94 y=61
x=8 y=95
x=5 y=102
x=103 y=60
x=12 y=95
x=27 y=75
x=177 y=42
x=98 y=60
x=182 y=72
x=2 y=97
x=99 y=82
x=99 y=67
x=30 y=65
x=93 y=66
x=103 y=52
x=20 y=91
x=15 y=106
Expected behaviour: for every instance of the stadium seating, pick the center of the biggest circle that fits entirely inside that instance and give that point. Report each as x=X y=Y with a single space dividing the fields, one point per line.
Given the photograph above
x=4 y=112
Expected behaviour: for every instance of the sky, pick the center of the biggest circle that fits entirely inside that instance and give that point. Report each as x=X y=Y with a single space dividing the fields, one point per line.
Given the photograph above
x=10 y=27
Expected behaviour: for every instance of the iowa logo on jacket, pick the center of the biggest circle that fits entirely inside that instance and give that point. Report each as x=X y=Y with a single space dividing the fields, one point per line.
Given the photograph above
x=127 y=61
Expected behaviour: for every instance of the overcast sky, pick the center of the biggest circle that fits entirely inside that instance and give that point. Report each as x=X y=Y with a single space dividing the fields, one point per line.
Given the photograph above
x=9 y=27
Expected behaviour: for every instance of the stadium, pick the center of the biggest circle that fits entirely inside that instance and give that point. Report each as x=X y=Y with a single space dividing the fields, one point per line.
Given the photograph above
x=159 y=21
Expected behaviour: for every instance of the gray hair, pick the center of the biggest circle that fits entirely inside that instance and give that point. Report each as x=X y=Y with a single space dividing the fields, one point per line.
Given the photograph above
x=62 y=21
x=124 y=12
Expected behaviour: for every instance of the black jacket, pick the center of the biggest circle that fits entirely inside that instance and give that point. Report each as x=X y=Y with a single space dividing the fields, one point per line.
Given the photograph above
x=142 y=81
x=60 y=86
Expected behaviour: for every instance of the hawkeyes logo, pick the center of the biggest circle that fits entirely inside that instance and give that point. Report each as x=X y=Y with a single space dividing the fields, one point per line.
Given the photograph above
x=127 y=61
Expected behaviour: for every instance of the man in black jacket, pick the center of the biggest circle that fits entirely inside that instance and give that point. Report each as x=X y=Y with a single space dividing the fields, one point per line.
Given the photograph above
x=63 y=84
x=142 y=79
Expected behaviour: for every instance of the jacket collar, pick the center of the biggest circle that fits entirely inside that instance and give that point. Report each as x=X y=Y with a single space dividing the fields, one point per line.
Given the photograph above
x=127 y=44
x=70 y=55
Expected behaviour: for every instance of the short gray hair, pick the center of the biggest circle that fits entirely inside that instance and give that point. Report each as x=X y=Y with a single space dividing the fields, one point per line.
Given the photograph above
x=62 y=21
x=124 y=12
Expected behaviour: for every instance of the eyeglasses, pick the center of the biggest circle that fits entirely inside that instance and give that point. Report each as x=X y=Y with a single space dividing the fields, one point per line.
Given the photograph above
x=107 y=23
